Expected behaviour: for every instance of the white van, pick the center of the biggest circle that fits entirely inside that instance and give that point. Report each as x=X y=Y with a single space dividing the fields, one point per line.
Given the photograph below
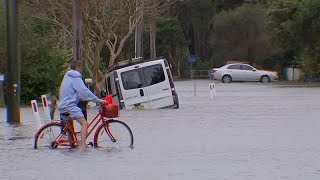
x=138 y=84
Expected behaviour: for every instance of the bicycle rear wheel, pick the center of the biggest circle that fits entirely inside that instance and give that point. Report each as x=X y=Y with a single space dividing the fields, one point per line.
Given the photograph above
x=113 y=134
x=51 y=135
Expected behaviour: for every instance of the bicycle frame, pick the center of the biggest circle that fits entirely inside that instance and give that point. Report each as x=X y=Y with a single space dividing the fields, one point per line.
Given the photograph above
x=95 y=121
x=62 y=133
x=98 y=119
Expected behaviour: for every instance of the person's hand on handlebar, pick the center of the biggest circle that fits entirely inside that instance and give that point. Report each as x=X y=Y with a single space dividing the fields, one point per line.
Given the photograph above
x=103 y=101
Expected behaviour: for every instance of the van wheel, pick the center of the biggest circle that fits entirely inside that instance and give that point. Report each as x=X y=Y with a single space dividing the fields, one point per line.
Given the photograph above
x=226 y=79
x=176 y=104
x=175 y=100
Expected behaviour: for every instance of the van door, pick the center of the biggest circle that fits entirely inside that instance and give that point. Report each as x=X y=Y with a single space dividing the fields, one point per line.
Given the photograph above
x=134 y=93
x=157 y=84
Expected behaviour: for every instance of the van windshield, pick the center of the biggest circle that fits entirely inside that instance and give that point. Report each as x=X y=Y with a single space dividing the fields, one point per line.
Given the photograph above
x=142 y=77
x=153 y=74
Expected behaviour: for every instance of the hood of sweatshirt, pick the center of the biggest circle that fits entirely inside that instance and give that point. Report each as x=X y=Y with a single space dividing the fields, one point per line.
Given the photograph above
x=74 y=74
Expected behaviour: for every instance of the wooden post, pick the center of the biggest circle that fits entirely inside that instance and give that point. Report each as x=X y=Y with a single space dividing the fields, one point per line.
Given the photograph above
x=77 y=34
x=138 y=31
x=12 y=78
x=153 y=27
x=77 y=43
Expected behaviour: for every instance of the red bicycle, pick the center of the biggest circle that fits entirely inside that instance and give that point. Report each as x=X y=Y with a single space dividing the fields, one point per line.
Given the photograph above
x=109 y=132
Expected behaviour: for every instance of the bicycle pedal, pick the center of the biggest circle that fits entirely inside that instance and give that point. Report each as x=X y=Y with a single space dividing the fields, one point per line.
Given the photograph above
x=90 y=144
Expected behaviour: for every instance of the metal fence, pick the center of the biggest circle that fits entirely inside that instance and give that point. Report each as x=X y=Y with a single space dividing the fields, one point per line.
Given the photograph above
x=201 y=73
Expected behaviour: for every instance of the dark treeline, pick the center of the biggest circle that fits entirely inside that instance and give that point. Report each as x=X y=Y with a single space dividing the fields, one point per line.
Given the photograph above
x=271 y=34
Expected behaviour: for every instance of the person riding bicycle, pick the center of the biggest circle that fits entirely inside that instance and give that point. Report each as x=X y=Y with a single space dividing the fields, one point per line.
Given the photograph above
x=72 y=90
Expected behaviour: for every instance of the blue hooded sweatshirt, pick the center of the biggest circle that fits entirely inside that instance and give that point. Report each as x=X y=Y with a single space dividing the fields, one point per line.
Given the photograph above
x=72 y=90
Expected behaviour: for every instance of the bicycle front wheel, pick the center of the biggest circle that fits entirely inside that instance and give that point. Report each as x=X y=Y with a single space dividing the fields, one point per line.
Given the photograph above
x=113 y=134
x=51 y=135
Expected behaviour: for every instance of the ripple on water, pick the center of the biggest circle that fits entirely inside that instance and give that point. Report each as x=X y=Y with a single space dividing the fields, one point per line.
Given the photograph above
x=247 y=131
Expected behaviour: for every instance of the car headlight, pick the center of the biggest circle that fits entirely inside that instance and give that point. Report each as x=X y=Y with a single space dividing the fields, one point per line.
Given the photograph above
x=275 y=75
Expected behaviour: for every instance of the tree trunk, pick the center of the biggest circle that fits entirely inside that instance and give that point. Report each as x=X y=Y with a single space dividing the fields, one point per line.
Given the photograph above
x=153 y=27
x=119 y=58
x=138 y=34
x=249 y=48
x=178 y=60
x=138 y=41
x=96 y=67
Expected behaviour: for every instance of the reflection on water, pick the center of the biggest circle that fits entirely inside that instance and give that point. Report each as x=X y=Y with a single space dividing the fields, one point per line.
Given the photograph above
x=247 y=131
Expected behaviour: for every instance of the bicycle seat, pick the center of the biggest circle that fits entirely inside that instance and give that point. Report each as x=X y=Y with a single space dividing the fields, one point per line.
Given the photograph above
x=65 y=116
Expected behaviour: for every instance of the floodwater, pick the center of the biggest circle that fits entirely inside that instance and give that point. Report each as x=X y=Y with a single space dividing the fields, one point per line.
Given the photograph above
x=247 y=131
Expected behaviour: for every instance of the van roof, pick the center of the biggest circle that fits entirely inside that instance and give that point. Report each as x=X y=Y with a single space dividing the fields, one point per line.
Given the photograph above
x=129 y=62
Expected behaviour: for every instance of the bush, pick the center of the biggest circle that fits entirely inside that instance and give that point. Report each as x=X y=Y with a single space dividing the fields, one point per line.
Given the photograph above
x=311 y=66
x=41 y=73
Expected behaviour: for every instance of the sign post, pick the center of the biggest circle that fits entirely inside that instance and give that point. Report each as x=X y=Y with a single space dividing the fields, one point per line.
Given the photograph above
x=192 y=58
x=36 y=113
x=212 y=89
x=46 y=106
x=12 y=75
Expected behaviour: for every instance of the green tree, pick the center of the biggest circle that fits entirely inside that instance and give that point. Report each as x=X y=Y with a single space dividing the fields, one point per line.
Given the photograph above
x=294 y=29
x=105 y=24
x=281 y=23
x=281 y=19
x=228 y=4
x=308 y=27
x=3 y=35
x=42 y=72
x=195 y=16
x=239 y=35
x=42 y=63
x=172 y=43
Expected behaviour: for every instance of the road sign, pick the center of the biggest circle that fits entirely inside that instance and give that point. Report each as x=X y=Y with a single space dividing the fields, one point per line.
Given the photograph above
x=192 y=58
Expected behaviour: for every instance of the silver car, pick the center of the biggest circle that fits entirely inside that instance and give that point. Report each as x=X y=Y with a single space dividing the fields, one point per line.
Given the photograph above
x=242 y=72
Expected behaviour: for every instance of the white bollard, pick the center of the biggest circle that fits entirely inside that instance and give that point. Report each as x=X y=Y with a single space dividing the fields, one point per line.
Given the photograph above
x=212 y=89
x=46 y=106
x=36 y=113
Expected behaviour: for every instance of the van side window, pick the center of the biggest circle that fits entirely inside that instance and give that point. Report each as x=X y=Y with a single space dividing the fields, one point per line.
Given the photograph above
x=131 y=79
x=108 y=85
x=153 y=74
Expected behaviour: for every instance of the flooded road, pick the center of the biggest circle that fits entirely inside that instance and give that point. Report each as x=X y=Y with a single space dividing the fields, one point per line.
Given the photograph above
x=247 y=131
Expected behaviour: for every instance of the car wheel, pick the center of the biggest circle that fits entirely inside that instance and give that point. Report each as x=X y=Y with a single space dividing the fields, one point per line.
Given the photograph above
x=265 y=79
x=226 y=79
